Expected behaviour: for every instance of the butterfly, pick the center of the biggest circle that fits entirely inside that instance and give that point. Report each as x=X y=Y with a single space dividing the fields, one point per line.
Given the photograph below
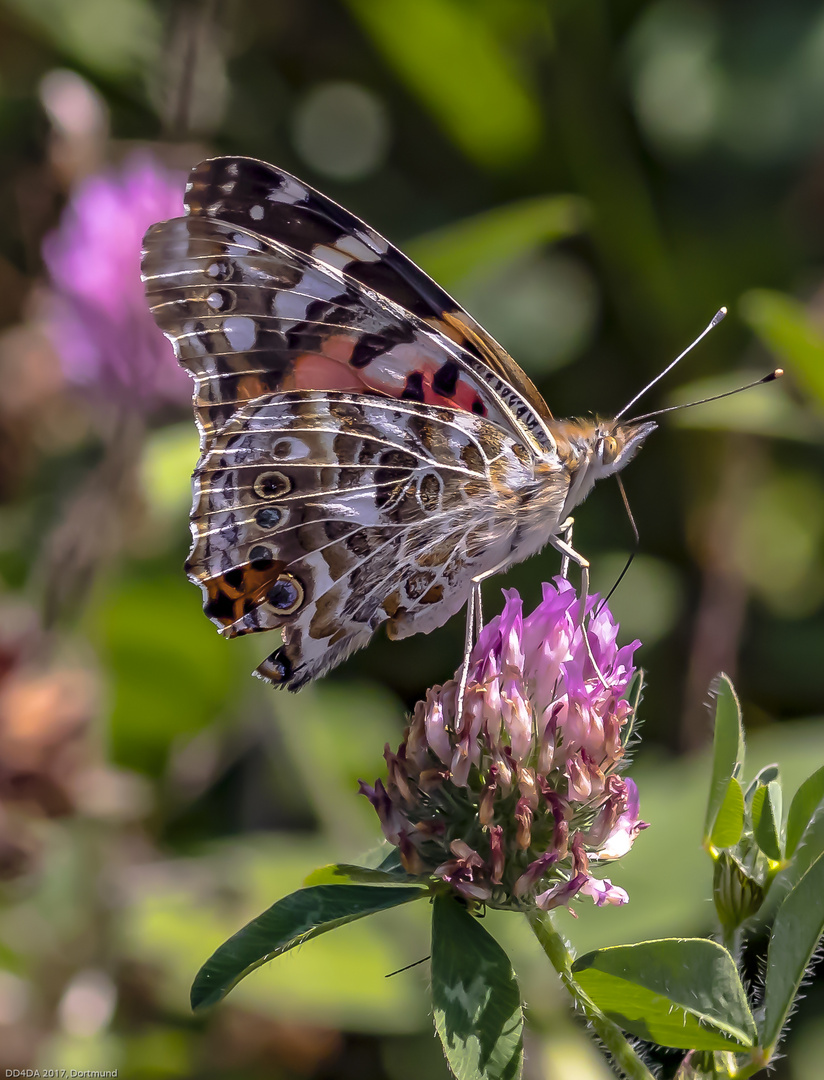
x=369 y=453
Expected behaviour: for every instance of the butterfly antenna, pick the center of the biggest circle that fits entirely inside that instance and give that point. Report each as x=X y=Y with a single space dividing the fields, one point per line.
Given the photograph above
x=632 y=554
x=715 y=397
x=714 y=321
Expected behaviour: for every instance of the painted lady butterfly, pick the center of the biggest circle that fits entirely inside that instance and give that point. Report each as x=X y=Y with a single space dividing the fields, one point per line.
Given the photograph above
x=368 y=452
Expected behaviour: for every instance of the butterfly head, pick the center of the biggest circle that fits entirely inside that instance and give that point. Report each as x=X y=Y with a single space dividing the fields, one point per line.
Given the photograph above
x=593 y=449
x=613 y=445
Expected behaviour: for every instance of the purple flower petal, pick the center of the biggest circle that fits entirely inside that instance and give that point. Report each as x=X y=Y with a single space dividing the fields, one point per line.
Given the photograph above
x=512 y=799
x=96 y=312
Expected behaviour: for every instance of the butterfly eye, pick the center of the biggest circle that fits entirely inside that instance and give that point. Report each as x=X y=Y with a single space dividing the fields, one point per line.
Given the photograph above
x=609 y=449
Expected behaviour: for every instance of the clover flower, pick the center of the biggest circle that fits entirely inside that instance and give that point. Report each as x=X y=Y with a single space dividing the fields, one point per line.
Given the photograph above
x=96 y=311
x=512 y=802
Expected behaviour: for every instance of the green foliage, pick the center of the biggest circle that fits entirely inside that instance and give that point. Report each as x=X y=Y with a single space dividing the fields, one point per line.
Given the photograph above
x=116 y=38
x=348 y=874
x=786 y=328
x=492 y=241
x=288 y=923
x=728 y=751
x=683 y=993
x=808 y=802
x=766 y=816
x=798 y=926
x=476 y=1000
x=494 y=119
x=729 y=821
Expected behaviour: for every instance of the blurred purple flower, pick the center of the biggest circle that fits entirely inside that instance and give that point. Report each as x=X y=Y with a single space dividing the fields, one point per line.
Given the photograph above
x=512 y=802
x=96 y=312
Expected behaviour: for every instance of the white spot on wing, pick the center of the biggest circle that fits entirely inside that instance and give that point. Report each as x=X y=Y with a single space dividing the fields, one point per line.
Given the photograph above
x=215 y=301
x=331 y=256
x=290 y=191
x=240 y=331
x=357 y=249
x=290 y=305
x=256 y=212
x=242 y=244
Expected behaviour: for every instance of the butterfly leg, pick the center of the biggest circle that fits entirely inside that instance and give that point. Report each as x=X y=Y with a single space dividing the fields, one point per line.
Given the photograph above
x=472 y=613
x=566 y=528
x=479 y=608
x=569 y=553
x=474 y=622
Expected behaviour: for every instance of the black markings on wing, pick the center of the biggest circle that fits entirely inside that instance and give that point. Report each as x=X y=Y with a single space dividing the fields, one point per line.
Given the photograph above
x=365 y=519
x=279 y=319
x=255 y=195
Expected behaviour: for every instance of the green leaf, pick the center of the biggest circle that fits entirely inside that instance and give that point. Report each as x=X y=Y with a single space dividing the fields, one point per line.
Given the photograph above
x=766 y=816
x=476 y=246
x=798 y=925
x=784 y=326
x=295 y=919
x=728 y=748
x=806 y=802
x=684 y=993
x=476 y=1000
x=349 y=874
x=392 y=863
x=454 y=61
x=760 y=780
x=809 y=848
x=729 y=821
x=767 y=774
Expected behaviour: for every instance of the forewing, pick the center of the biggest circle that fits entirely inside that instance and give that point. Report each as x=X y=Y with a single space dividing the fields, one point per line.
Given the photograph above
x=327 y=514
x=251 y=316
x=254 y=195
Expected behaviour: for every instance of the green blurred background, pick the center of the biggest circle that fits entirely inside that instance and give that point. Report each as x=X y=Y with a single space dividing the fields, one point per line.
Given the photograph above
x=592 y=181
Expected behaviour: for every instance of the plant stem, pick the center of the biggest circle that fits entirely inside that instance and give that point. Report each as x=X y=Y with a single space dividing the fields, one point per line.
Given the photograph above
x=561 y=956
x=731 y=939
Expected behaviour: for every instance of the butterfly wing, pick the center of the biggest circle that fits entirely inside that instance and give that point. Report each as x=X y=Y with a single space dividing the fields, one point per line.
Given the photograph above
x=251 y=316
x=326 y=514
x=254 y=195
x=278 y=320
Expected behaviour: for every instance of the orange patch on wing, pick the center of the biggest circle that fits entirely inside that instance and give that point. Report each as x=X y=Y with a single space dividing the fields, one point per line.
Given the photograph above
x=433 y=595
x=236 y=593
x=329 y=369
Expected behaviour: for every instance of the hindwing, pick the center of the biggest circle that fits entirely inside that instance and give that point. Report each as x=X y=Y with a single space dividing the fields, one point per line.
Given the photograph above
x=327 y=514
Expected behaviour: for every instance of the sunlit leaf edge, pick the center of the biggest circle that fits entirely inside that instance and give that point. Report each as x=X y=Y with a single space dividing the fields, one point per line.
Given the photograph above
x=791 y=949
x=712 y=1031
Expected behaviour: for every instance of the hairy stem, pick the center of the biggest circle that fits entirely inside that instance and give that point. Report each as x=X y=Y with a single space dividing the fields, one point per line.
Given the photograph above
x=561 y=956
